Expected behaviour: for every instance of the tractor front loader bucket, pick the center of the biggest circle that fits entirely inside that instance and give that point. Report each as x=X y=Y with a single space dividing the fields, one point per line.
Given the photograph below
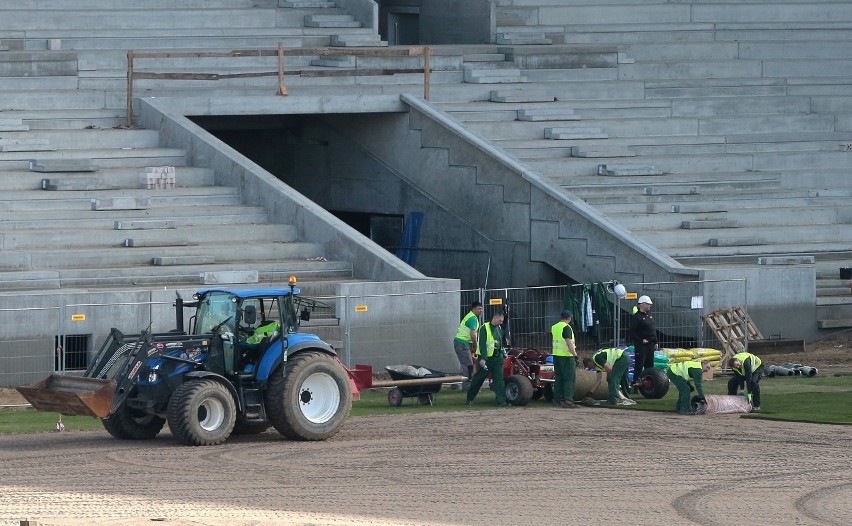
x=71 y=395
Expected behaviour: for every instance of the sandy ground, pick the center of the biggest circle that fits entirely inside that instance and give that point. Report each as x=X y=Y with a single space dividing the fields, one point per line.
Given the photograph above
x=533 y=465
x=590 y=466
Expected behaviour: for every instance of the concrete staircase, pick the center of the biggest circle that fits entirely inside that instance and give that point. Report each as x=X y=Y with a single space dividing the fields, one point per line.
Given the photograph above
x=645 y=110
x=104 y=228
x=74 y=213
x=715 y=117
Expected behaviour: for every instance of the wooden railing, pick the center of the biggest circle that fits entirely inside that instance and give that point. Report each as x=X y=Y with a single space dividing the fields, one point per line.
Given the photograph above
x=280 y=53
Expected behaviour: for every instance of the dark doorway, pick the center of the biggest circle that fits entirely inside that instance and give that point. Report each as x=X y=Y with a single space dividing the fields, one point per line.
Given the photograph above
x=403 y=28
x=383 y=229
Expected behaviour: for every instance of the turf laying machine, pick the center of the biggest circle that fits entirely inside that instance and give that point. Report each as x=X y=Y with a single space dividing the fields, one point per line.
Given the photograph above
x=241 y=368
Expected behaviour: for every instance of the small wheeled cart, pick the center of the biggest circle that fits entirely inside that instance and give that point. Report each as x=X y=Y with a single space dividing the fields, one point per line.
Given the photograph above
x=415 y=381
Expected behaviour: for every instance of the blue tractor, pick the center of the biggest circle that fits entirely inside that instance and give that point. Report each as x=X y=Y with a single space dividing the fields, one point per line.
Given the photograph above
x=240 y=368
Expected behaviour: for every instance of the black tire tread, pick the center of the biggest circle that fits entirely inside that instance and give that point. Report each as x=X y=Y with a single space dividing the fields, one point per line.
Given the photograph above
x=183 y=422
x=661 y=384
x=124 y=426
x=525 y=389
x=285 y=416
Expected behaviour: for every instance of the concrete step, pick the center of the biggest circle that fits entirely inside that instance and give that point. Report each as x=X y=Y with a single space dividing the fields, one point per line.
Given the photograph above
x=675 y=164
x=729 y=203
x=303 y=4
x=55 y=82
x=66 y=119
x=357 y=40
x=521 y=38
x=575 y=132
x=209 y=233
x=105 y=158
x=683 y=51
x=180 y=216
x=82 y=200
x=493 y=76
x=692 y=69
x=91 y=139
x=331 y=21
x=544 y=114
x=96 y=257
x=712 y=107
x=746 y=217
x=50 y=5
x=115 y=178
x=51 y=100
x=59 y=18
x=148 y=275
x=784 y=239
x=748 y=190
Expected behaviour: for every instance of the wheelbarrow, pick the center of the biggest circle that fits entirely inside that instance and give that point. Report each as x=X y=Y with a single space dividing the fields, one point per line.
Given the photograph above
x=409 y=381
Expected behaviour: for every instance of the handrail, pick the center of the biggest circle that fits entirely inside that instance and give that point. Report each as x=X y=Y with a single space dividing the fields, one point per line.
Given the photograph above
x=280 y=53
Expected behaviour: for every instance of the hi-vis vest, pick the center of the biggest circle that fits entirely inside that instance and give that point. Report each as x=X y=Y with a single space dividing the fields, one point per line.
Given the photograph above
x=490 y=342
x=611 y=356
x=560 y=346
x=267 y=330
x=682 y=369
x=742 y=357
x=463 y=332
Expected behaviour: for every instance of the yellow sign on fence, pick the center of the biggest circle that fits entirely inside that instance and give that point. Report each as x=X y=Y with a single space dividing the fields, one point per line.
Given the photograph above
x=78 y=317
x=360 y=308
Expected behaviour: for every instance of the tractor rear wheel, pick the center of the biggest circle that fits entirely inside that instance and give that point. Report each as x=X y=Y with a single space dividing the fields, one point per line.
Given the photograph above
x=519 y=390
x=202 y=413
x=130 y=424
x=310 y=398
x=653 y=383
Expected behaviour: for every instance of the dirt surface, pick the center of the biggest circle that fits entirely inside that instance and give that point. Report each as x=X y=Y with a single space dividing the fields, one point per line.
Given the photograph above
x=543 y=465
x=533 y=465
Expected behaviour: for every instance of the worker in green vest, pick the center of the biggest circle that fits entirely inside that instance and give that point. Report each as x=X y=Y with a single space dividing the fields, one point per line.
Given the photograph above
x=489 y=358
x=681 y=374
x=747 y=369
x=464 y=343
x=564 y=361
x=615 y=362
x=262 y=334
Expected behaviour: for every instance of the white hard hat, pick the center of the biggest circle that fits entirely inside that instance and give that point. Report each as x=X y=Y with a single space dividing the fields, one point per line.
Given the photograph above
x=645 y=299
x=620 y=291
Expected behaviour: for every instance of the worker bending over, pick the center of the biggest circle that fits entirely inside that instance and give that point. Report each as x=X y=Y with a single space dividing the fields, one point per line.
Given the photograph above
x=747 y=369
x=615 y=362
x=681 y=374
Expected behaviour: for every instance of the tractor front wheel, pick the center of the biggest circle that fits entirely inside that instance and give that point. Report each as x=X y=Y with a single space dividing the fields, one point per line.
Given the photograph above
x=202 y=413
x=310 y=398
x=519 y=390
x=130 y=424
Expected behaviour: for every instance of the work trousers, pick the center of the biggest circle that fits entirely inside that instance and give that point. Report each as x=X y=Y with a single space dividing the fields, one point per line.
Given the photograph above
x=738 y=381
x=465 y=357
x=495 y=368
x=643 y=358
x=565 y=368
x=618 y=378
x=683 y=405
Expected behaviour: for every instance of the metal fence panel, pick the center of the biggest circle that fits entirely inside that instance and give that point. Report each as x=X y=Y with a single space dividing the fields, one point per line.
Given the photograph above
x=28 y=346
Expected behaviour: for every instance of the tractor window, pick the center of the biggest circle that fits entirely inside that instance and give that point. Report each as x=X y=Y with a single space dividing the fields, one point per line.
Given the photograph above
x=214 y=309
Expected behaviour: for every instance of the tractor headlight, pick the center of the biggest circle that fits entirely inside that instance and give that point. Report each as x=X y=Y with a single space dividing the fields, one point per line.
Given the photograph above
x=153 y=377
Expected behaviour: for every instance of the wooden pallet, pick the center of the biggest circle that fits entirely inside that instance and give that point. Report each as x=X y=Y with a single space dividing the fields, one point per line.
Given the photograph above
x=733 y=328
